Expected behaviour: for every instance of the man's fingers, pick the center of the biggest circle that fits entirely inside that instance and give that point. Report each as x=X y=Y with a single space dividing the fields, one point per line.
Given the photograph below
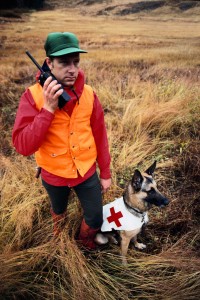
x=47 y=82
x=58 y=93
x=52 y=85
x=52 y=88
x=105 y=184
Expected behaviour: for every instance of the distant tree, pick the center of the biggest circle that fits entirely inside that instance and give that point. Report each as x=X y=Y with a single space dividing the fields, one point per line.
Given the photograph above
x=37 y=4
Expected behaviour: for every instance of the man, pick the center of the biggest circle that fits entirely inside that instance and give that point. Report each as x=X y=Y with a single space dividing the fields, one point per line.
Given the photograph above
x=67 y=142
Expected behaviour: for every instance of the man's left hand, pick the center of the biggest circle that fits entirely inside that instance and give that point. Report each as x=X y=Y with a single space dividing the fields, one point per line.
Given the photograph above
x=105 y=184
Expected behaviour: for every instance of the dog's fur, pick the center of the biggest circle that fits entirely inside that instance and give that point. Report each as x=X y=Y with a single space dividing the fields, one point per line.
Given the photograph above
x=139 y=196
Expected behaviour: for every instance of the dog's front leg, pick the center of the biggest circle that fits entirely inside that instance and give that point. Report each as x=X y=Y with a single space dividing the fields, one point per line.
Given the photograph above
x=136 y=244
x=125 y=241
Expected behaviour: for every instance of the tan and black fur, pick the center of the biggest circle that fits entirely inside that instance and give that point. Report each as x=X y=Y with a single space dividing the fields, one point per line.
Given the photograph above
x=139 y=196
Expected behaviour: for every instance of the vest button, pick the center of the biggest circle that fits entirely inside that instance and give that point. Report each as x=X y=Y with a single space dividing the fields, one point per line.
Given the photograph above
x=53 y=154
x=71 y=133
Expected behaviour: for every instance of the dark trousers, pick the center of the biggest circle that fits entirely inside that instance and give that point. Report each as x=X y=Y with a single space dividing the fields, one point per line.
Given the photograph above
x=89 y=195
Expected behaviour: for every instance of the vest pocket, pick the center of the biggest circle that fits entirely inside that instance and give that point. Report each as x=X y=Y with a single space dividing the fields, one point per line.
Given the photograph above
x=87 y=147
x=55 y=152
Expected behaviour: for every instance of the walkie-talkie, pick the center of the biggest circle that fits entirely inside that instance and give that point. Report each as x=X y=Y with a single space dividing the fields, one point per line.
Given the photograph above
x=64 y=97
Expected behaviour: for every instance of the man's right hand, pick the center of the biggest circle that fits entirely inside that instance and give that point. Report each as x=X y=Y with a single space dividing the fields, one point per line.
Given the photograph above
x=51 y=93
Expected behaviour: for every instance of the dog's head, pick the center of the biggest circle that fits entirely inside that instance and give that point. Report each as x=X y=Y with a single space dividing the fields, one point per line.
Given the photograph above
x=145 y=190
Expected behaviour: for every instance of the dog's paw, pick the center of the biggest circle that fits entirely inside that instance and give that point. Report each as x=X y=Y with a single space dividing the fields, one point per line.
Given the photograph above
x=140 y=246
x=101 y=239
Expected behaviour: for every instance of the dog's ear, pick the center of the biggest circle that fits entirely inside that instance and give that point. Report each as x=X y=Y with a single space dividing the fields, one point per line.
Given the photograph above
x=151 y=169
x=137 y=180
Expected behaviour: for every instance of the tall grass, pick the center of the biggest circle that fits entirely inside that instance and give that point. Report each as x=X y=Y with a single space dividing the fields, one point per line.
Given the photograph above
x=145 y=72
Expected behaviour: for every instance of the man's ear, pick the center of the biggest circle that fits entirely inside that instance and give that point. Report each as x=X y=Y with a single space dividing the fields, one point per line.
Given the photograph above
x=151 y=169
x=49 y=63
x=137 y=180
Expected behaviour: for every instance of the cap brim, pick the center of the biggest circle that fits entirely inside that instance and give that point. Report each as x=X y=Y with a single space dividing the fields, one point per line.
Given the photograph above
x=67 y=51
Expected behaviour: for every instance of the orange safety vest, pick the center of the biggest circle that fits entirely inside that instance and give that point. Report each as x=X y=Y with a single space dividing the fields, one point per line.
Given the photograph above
x=69 y=146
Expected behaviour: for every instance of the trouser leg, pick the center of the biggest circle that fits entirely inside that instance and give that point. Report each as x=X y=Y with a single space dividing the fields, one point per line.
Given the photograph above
x=58 y=196
x=90 y=196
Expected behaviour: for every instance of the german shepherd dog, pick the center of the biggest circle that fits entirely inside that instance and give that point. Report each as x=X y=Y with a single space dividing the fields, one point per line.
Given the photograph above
x=128 y=214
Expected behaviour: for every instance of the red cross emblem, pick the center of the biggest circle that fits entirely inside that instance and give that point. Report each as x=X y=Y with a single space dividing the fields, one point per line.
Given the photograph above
x=114 y=217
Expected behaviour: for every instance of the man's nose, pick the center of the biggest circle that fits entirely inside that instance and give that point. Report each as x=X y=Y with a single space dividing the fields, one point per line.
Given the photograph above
x=71 y=67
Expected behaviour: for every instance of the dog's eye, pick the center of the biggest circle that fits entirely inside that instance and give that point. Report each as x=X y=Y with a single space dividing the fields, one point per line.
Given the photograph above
x=151 y=191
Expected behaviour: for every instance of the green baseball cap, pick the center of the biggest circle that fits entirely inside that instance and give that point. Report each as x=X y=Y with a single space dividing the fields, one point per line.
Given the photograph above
x=61 y=43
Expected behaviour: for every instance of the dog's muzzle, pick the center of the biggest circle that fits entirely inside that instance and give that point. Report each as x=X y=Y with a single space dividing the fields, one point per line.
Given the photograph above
x=157 y=200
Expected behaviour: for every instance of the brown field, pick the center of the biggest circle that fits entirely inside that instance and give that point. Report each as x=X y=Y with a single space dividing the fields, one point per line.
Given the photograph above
x=145 y=70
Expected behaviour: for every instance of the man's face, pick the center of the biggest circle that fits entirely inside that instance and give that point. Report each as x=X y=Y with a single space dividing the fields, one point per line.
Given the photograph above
x=65 y=68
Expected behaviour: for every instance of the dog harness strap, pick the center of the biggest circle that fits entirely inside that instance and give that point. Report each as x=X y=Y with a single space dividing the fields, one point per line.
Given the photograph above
x=132 y=208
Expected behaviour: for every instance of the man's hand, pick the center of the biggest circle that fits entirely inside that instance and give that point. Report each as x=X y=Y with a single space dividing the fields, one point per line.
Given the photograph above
x=105 y=184
x=51 y=93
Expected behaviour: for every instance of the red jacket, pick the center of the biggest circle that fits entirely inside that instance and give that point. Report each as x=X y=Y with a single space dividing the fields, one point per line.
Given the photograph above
x=32 y=125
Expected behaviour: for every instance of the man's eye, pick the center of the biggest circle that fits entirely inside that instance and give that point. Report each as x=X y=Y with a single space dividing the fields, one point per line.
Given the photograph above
x=64 y=63
x=76 y=62
x=68 y=63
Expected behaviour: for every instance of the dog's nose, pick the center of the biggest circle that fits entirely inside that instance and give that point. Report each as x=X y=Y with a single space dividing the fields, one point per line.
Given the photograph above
x=165 y=201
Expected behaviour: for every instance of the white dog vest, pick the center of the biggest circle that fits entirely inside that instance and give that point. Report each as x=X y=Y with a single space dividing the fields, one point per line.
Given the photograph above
x=116 y=216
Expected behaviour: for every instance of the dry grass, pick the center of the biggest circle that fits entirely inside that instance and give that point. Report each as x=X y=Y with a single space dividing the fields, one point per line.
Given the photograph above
x=146 y=74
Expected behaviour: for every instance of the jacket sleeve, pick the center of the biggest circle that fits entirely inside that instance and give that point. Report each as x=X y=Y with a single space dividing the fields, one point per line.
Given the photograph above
x=101 y=140
x=30 y=125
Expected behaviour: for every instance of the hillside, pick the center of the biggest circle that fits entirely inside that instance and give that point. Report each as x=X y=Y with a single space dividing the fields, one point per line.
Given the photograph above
x=128 y=8
x=163 y=10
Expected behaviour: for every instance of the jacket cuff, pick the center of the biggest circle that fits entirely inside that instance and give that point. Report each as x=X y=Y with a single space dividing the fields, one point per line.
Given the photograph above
x=47 y=113
x=105 y=174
